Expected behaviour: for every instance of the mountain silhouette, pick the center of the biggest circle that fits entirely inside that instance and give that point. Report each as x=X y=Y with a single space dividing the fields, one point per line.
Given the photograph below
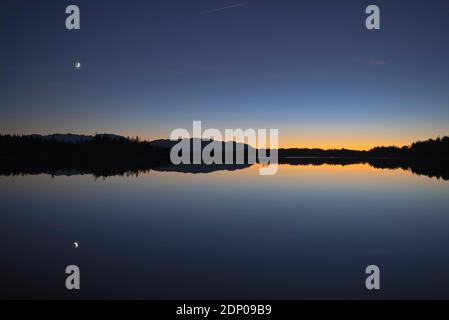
x=76 y=138
x=226 y=145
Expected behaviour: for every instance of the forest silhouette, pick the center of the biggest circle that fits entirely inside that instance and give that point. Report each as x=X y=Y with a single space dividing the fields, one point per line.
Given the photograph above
x=108 y=155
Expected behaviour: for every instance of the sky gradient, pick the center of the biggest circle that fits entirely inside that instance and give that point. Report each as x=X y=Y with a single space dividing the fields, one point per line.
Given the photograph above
x=308 y=68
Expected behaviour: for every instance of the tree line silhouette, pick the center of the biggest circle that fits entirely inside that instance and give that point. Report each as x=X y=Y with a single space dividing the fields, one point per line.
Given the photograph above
x=99 y=146
x=105 y=146
x=105 y=155
x=435 y=148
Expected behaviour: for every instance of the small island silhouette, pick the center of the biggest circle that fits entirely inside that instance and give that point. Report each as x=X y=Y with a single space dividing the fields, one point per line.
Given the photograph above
x=106 y=155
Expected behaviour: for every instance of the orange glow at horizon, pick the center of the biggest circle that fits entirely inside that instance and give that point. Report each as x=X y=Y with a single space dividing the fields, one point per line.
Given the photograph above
x=293 y=139
x=340 y=138
x=353 y=143
x=361 y=142
x=336 y=142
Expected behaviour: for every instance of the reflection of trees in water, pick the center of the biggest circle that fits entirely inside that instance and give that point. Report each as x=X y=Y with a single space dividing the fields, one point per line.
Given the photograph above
x=427 y=167
x=430 y=168
x=114 y=167
x=433 y=169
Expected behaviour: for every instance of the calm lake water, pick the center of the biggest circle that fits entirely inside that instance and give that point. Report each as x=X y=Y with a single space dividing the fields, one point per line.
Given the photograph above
x=307 y=232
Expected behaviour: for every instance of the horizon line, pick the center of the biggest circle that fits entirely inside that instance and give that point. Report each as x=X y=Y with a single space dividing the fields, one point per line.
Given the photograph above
x=223 y=141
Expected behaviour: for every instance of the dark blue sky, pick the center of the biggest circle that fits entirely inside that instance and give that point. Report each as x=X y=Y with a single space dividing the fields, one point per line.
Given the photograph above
x=308 y=68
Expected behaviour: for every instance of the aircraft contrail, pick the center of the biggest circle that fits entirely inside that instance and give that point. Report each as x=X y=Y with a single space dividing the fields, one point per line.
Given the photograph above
x=219 y=9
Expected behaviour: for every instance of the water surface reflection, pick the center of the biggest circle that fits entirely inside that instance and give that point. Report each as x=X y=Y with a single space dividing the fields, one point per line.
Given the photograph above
x=307 y=232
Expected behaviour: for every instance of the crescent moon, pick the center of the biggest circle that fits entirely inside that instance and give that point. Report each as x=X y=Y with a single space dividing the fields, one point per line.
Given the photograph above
x=75 y=244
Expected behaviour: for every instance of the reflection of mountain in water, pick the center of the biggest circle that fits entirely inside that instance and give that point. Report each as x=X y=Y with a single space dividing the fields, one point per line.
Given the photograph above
x=201 y=168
